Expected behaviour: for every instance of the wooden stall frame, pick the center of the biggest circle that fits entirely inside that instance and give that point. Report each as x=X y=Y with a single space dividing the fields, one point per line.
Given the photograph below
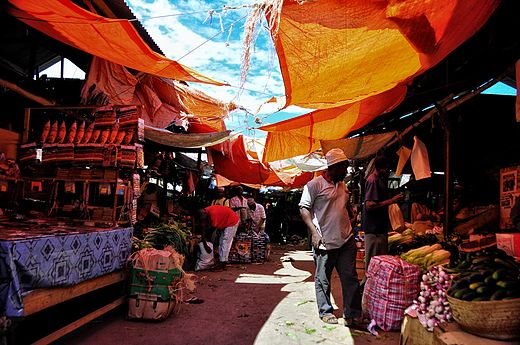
x=42 y=299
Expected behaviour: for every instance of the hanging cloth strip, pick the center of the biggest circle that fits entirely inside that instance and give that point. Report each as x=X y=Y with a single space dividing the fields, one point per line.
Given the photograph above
x=420 y=161
x=404 y=154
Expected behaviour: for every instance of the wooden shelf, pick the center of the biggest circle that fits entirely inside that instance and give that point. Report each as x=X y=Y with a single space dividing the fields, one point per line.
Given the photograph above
x=71 y=179
x=6 y=178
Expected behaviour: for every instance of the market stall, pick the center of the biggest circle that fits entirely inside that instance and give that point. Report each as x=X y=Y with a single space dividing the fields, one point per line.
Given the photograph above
x=45 y=253
x=68 y=228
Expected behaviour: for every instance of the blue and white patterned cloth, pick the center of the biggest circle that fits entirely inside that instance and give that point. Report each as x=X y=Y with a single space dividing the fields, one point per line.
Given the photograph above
x=57 y=260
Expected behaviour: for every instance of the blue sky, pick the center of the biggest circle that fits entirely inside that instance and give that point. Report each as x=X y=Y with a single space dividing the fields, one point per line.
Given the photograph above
x=219 y=58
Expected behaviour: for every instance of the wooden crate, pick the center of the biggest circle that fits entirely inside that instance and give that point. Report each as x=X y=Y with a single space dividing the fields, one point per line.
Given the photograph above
x=360 y=268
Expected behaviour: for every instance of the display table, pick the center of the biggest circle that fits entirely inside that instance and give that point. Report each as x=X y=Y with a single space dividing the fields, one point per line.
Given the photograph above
x=413 y=333
x=42 y=254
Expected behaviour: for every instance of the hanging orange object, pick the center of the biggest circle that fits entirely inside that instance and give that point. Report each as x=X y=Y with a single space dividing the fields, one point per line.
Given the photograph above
x=164 y=101
x=336 y=52
x=115 y=40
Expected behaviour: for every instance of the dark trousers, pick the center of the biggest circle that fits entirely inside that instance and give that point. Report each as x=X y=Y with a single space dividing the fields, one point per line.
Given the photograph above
x=375 y=244
x=344 y=260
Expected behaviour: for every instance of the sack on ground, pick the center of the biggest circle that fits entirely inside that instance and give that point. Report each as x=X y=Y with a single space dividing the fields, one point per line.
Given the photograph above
x=390 y=287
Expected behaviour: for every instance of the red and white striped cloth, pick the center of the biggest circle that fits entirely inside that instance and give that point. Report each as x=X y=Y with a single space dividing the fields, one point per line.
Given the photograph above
x=391 y=286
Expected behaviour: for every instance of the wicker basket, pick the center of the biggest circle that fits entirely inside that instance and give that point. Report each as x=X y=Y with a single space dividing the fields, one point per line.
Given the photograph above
x=489 y=319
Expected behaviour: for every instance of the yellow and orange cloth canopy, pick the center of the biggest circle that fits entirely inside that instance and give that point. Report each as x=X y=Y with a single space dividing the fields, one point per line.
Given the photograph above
x=302 y=135
x=353 y=59
x=115 y=40
x=336 y=52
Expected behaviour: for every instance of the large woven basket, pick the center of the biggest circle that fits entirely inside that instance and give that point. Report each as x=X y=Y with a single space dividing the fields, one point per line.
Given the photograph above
x=489 y=319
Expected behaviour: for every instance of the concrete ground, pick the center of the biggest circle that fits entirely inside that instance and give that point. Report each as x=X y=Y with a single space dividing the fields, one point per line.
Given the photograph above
x=271 y=303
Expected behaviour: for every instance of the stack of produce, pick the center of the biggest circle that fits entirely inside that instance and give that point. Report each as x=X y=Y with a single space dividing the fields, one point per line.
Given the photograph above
x=174 y=234
x=404 y=237
x=427 y=256
x=432 y=305
x=491 y=277
x=399 y=245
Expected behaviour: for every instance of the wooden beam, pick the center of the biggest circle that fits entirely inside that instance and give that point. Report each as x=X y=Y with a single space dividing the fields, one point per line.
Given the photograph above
x=78 y=323
x=40 y=299
x=25 y=93
x=107 y=12
x=451 y=102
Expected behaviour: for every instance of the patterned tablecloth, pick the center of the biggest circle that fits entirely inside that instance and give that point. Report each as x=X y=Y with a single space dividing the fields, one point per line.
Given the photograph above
x=37 y=256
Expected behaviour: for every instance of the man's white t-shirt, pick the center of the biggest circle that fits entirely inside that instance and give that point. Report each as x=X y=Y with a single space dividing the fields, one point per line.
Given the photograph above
x=327 y=203
x=257 y=215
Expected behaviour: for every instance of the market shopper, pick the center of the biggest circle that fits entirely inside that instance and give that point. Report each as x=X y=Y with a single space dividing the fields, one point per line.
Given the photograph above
x=323 y=207
x=221 y=199
x=238 y=203
x=256 y=215
x=219 y=218
x=257 y=218
x=376 y=222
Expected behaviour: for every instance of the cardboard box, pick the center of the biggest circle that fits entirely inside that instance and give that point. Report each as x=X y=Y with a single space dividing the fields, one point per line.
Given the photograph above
x=510 y=243
x=478 y=242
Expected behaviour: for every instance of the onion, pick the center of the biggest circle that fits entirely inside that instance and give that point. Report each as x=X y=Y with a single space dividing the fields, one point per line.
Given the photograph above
x=432 y=303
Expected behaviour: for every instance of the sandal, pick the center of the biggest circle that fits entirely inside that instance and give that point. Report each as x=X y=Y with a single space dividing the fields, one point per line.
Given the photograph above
x=356 y=321
x=330 y=319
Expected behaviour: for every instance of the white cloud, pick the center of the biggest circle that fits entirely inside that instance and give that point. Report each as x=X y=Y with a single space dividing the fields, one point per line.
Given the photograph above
x=218 y=58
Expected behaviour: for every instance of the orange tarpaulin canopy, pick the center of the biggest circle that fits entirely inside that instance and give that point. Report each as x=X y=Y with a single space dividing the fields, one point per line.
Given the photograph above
x=336 y=52
x=302 y=134
x=114 y=40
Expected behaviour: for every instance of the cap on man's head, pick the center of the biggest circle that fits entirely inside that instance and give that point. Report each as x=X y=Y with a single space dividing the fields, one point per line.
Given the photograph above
x=335 y=156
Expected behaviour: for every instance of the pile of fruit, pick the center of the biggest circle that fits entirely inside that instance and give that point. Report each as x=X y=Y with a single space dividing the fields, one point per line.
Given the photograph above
x=427 y=256
x=432 y=306
x=487 y=276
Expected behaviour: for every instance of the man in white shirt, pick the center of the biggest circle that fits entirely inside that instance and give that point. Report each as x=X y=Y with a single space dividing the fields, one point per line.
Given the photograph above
x=238 y=203
x=323 y=207
x=256 y=213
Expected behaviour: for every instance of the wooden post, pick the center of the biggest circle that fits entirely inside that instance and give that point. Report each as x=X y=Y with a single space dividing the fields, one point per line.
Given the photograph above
x=448 y=200
x=26 y=126
x=199 y=159
x=62 y=70
x=114 y=213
